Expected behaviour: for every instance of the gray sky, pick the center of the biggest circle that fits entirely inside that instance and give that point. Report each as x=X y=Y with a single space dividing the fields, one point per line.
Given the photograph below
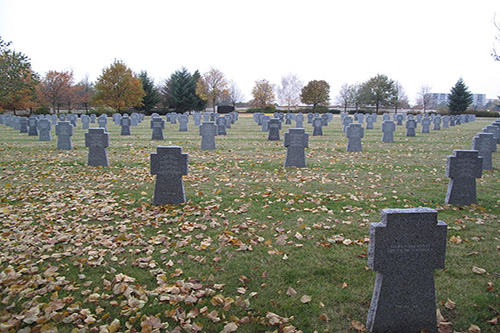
x=416 y=42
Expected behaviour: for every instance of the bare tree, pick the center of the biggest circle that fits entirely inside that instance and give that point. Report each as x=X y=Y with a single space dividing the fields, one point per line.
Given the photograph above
x=233 y=94
x=289 y=91
x=494 y=53
x=345 y=96
x=211 y=86
x=400 y=100
x=424 y=97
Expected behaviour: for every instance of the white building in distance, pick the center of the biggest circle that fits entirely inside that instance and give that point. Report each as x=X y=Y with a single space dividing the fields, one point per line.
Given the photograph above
x=439 y=100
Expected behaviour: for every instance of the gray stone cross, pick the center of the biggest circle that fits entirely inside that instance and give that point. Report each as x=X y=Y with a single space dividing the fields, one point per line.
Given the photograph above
x=169 y=164
x=463 y=168
x=97 y=140
x=405 y=248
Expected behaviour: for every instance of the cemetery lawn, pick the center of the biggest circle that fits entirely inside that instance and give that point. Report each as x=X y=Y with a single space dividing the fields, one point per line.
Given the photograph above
x=256 y=248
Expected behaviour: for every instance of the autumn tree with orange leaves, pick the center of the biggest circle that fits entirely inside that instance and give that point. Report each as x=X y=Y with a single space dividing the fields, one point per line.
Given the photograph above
x=118 y=87
x=55 y=89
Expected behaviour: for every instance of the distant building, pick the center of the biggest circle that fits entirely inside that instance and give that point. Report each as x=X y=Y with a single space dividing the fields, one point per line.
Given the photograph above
x=440 y=100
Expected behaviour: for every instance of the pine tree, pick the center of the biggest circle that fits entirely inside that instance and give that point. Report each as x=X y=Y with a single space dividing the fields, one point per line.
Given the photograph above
x=180 y=91
x=152 y=97
x=460 y=98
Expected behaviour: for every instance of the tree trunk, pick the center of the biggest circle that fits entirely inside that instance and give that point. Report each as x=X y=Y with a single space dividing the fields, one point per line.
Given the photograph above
x=213 y=104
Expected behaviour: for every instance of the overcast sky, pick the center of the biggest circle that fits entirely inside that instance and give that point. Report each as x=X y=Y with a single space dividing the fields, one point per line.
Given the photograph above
x=416 y=42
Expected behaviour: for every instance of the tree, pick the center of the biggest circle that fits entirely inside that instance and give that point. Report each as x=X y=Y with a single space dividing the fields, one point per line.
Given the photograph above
x=316 y=92
x=152 y=97
x=459 y=98
x=211 y=86
x=179 y=91
x=424 y=97
x=399 y=100
x=233 y=95
x=263 y=94
x=56 y=89
x=378 y=91
x=83 y=92
x=347 y=96
x=289 y=91
x=118 y=87
x=17 y=79
x=494 y=53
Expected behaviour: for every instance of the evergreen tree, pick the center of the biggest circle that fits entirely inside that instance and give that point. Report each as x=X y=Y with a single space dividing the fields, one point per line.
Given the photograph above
x=460 y=98
x=179 y=91
x=152 y=97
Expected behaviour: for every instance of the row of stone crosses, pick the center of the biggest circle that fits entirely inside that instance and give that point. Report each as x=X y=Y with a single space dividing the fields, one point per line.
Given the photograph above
x=41 y=125
x=353 y=127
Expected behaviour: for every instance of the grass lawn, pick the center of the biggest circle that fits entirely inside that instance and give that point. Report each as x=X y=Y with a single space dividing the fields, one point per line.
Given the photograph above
x=256 y=248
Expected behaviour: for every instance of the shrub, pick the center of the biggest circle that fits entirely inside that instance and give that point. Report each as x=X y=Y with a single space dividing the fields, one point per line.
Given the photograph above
x=102 y=110
x=42 y=110
x=491 y=114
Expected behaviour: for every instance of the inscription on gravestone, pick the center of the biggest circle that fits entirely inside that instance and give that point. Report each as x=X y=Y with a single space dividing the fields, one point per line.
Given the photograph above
x=405 y=248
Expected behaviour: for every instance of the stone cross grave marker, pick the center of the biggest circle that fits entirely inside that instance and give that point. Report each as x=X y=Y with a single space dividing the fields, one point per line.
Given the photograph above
x=45 y=126
x=493 y=129
x=346 y=122
x=85 y=121
x=265 y=123
x=274 y=129
x=296 y=140
x=169 y=164
x=197 y=118
x=102 y=121
x=399 y=119
x=221 y=126
x=354 y=133
x=410 y=127
x=486 y=145
x=446 y=121
x=310 y=117
x=426 y=123
x=64 y=131
x=125 y=123
x=32 y=126
x=317 y=127
x=369 y=121
x=157 y=124
x=388 y=128
x=97 y=140
x=437 y=124
x=405 y=248
x=299 y=121
x=183 y=123
x=208 y=130
x=463 y=167
x=23 y=121
x=93 y=117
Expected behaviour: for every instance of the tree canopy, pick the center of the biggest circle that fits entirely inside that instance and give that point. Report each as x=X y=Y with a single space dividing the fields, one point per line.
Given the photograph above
x=118 y=87
x=55 y=89
x=459 y=98
x=179 y=91
x=316 y=92
x=378 y=91
x=152 y=96
x=211 y=86
x=17 y=79
x=263 y=94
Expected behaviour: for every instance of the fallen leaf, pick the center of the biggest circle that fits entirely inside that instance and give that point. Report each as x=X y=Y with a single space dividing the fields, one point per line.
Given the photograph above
x=478 y=270
x=291 y=292
x=305 y=299
x=474 y=329
x=358 y=326
x=449 y=304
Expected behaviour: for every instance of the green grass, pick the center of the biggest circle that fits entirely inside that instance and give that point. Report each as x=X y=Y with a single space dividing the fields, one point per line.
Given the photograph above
x=251 y=229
